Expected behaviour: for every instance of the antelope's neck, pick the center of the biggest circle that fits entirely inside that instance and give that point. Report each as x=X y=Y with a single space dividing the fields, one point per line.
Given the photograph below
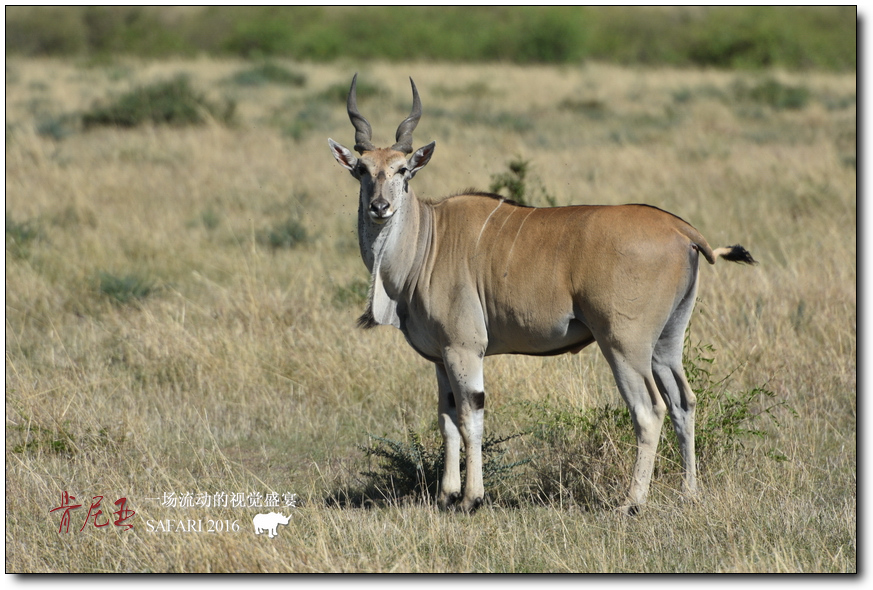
x=397 y=249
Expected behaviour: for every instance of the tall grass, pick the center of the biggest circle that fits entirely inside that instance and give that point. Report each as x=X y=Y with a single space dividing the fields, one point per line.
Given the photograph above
x=238 y=369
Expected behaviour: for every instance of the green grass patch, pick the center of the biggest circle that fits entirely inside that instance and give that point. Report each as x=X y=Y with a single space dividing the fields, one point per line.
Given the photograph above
x=125 y=289
x=772 y=93
x=353 y=293
x=286 y=234
x=21 y=235
x=173 y=102
x=57 y=126
x=313 y=116
x=591 y=108
x=32 y=436
x=210 y=219
x=38 y=439
x=268 y=73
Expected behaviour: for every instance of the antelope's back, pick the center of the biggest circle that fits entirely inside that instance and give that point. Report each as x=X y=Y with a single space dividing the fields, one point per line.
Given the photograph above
x=534 y=266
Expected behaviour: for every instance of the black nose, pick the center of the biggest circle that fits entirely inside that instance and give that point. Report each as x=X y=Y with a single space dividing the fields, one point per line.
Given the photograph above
x=379 y=207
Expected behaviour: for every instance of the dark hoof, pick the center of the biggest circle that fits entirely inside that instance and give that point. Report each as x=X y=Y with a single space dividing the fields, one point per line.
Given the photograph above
x=473 y=506
x=629 y=510
x=450 y=501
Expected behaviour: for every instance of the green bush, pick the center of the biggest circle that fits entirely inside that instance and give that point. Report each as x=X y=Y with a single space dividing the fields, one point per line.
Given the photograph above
x=173 y=102
x=515 y=181
x=125 y=289
x=412 y=470
x=725 y=420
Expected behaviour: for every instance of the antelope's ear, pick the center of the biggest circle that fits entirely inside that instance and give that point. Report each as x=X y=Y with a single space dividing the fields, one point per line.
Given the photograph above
x=343 y=156
x=420 y=158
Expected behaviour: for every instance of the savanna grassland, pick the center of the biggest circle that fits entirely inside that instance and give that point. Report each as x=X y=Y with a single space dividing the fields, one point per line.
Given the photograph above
x=181 y=303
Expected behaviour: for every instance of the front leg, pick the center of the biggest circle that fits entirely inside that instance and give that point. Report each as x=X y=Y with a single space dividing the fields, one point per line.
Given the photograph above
x=450 y=491
x=464 y=368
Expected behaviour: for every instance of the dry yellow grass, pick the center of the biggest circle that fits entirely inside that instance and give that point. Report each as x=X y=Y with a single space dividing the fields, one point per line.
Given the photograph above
x=242 y=372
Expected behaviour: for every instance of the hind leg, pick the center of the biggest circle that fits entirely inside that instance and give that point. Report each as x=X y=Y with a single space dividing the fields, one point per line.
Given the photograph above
x=673 y=385
x=681 y=402
x=633 y=375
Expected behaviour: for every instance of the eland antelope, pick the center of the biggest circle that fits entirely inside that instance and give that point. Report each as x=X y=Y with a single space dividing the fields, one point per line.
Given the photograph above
x=476 y=274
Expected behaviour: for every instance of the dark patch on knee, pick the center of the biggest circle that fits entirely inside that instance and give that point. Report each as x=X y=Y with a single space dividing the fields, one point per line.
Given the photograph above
x=478 y=400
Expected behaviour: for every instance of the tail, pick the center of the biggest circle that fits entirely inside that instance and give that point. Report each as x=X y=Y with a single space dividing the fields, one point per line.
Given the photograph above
x=735 y=254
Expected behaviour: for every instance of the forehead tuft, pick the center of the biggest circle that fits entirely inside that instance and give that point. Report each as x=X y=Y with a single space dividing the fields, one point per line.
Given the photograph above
x=382 y=158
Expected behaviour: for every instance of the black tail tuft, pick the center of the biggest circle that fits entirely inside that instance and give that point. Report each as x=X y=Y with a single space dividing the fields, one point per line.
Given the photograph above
x=737 y=253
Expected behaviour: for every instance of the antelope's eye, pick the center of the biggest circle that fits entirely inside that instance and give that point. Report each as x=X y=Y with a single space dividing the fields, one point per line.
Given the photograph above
x=361 y=169
x=402 y=170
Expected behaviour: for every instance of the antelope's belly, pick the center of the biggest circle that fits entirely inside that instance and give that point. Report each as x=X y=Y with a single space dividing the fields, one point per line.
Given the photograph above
x=517 y=338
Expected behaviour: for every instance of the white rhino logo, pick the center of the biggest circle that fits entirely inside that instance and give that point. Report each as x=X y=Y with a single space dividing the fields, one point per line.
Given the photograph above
x=269 y=522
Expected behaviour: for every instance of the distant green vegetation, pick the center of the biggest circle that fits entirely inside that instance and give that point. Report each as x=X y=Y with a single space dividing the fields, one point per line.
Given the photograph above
x=173 y=102
x=821 y=37
x=515 y=183
x=268 y=73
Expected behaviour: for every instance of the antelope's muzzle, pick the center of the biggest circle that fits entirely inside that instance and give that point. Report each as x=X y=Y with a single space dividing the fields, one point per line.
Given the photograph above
x=380 y=210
